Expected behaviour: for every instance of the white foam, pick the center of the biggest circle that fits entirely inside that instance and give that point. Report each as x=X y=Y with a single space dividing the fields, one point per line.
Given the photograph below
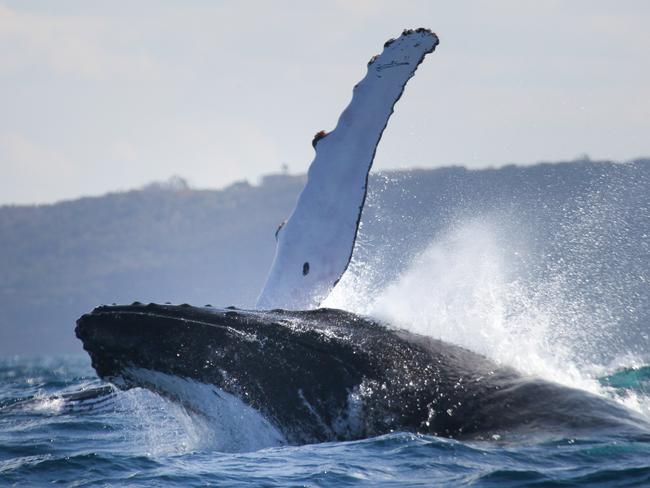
x=204 y=417
x=49 y=405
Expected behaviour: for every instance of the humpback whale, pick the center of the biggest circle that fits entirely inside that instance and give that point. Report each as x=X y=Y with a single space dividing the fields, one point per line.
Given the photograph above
x=321 y=374
x=325 y=374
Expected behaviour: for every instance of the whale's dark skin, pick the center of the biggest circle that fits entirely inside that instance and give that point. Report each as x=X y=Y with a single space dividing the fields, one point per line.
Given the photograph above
x=301 y=370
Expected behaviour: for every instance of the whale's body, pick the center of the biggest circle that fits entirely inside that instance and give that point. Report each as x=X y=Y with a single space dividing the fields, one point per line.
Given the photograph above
x=331 y=375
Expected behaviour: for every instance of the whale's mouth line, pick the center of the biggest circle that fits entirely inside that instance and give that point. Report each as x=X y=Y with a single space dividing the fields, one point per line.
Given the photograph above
x=231 y=319
x=150 y=315
x=137 y=377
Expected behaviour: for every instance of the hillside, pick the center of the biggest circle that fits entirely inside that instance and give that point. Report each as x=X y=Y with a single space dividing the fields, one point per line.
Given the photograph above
x=170 y=243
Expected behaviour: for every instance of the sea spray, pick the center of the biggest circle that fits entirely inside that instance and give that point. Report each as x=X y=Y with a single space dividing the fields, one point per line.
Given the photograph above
x=480 y=286
x=462 y=290
x=207 y=418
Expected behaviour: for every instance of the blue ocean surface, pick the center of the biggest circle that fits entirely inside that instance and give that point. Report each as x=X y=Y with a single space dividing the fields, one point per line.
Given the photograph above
x=49 y=434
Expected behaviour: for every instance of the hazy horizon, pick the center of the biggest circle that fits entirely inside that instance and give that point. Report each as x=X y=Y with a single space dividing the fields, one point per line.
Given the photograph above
x=179 y=179
x=109 y=97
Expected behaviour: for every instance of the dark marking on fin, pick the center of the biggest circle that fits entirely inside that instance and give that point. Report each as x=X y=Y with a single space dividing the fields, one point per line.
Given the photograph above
x=317 y=137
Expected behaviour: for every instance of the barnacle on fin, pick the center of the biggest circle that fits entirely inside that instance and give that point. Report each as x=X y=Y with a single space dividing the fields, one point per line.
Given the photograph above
x=317 y=137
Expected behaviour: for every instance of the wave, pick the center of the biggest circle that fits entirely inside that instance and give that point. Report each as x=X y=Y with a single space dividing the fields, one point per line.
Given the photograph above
x=634 y=378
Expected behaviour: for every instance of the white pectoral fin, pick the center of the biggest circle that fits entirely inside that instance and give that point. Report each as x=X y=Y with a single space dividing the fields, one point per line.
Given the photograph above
x=315 y=245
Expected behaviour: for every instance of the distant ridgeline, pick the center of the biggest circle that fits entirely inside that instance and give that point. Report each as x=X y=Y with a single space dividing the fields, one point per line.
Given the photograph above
x=171 y=243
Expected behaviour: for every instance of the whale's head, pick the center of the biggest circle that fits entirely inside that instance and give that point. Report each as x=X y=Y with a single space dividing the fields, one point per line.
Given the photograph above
x=297 y=368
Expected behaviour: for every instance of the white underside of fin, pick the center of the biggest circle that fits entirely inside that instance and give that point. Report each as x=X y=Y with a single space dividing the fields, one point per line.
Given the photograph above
x=315 y=245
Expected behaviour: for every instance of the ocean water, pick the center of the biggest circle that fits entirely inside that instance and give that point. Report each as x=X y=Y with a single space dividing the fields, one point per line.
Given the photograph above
x=135 y=438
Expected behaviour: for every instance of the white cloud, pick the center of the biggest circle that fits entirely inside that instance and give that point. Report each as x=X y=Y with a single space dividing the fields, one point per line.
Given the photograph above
x=79 y=45
x=31 y=172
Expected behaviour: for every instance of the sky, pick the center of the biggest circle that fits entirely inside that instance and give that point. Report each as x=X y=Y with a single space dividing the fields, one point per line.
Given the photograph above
x=105 y=96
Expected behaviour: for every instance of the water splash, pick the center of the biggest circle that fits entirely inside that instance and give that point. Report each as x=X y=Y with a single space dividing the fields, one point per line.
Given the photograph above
x=156 y=426
x=462 y=290
x=477 y=286
x=208 y=418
